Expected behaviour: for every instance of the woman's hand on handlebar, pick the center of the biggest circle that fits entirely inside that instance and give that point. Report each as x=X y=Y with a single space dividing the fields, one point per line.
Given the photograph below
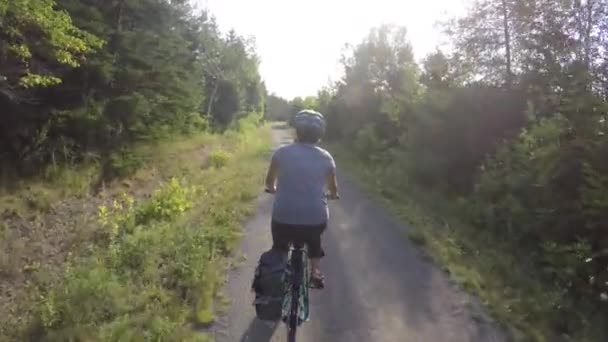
x=327 y=195
x=332 y=196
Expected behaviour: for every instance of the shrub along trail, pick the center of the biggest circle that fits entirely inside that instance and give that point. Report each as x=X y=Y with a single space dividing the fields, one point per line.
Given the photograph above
x=152 y=265
x=379 y=286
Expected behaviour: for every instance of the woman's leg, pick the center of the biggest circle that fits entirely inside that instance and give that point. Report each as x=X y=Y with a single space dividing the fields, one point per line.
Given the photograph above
x=280 y=236
x=314 y=266
x=316 y=252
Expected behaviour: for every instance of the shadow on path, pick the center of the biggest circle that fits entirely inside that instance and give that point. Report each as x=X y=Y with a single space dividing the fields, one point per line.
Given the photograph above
x=259 y=331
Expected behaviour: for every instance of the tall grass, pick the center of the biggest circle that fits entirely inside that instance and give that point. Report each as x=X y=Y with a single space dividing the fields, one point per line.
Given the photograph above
x=157 y=265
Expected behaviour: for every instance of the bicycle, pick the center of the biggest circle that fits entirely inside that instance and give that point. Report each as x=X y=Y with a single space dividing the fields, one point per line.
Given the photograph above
x=295 y=306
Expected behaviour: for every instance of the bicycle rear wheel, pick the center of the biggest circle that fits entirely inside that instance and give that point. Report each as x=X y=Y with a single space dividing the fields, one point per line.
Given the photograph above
x=292 y=322
x=291 y=335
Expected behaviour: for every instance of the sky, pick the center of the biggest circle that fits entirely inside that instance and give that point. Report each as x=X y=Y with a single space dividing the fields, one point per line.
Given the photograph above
x=300 y=42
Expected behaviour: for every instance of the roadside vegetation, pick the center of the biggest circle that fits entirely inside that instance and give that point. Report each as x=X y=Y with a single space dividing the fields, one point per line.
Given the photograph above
x=155 y=256
x=495 y=153
x=131 y=140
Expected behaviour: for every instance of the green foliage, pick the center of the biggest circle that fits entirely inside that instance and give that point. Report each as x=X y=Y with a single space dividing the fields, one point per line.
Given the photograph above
x=417 y=237
x=153 y=69
x=195 y=122
x=23 y=53
x=226 y=104
x=169 y=202
x=39 y=200
x=119 y=216
x=512 y=127
x=232 y=80
x=159 y=266
x=125 y=162
x=219 y=158
x=277 y=108
x=71 y=180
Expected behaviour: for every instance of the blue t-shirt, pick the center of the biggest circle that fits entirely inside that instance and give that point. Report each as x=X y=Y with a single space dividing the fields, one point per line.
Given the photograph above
x=301 y=179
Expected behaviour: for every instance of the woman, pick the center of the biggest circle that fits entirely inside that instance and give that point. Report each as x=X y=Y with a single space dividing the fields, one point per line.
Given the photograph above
x=299 y=174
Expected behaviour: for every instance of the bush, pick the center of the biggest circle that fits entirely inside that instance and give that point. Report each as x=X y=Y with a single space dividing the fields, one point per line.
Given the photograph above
x=218 y=158
x=39 y=199
x=90 y=293
x=544 y=196
x=125 y=162
x=117 y=290
x=195 y=122
x=170 y=201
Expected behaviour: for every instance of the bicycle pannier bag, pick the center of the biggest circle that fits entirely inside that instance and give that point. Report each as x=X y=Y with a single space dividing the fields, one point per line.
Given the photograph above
x=269 y=285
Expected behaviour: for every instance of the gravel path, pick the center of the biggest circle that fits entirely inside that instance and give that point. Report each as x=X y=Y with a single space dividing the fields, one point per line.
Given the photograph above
x=378 y=286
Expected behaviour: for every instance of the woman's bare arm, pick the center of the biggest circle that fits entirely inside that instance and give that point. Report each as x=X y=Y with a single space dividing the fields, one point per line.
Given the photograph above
x=271 y=177
x=332 y=184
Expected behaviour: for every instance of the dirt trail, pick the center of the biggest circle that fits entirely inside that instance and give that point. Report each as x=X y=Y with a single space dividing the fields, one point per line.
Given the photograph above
x=379 y=287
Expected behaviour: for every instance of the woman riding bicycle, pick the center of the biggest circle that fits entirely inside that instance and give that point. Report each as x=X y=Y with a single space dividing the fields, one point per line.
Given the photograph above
x=299 y=173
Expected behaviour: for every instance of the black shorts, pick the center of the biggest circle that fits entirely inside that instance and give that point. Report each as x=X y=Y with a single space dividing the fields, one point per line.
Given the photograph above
x=283 y=233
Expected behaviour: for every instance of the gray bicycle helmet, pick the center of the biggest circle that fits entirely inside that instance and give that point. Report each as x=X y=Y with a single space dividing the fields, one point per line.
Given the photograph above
x=309 y=123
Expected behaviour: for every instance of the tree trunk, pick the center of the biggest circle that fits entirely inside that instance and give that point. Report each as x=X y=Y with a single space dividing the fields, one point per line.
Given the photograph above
x=119 y=14
x=212 y=97
x=505 y=15
x=589 y=25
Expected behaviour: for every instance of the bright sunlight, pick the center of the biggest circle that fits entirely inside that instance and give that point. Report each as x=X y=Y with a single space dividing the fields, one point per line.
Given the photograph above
x=300 y=42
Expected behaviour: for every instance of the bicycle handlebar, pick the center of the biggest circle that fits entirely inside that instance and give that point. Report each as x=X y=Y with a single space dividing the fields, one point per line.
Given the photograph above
x=328 y=196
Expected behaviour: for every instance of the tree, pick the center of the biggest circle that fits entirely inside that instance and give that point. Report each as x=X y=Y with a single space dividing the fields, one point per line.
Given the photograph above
x=437 y=71
x=485 y=39
x=277 y=108
x=379 y=85
x=512 y=124
x=36 y=42
x=507 y=35
x=80 y=76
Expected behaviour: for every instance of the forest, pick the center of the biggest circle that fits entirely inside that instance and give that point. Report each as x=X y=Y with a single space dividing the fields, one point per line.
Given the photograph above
x=82 y=80
x=508 y=125
x=130 y=141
